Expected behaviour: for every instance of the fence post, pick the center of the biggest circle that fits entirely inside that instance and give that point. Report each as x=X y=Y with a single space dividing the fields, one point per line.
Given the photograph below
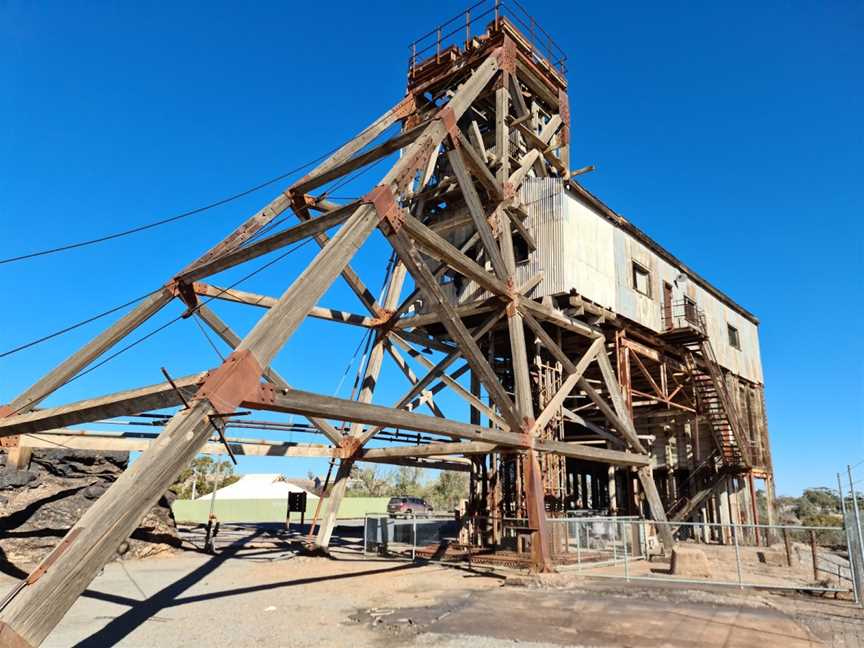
x=365 y=532
x=813 y=553
x=626 y=566
x=857 y=514
x=737 y=555
x=578 y=546
x=849 y=543
x=788 y=547
x=414 y=538
x=566 y=535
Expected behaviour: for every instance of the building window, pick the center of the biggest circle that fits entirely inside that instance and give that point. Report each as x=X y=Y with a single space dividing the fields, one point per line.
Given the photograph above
x=641 y=280
x=734 y=340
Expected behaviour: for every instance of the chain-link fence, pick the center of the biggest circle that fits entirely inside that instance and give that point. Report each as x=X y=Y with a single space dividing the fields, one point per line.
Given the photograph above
x=814 y=558
x=403 y=536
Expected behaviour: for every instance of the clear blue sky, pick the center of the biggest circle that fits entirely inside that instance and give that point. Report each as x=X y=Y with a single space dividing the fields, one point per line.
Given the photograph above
x=731 y=133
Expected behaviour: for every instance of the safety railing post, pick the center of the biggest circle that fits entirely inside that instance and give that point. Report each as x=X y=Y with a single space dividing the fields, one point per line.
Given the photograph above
x=578 y=546
x=365 y=532
x=414 y=538
x=735 y=528
x=626 y=562
x=857 y=517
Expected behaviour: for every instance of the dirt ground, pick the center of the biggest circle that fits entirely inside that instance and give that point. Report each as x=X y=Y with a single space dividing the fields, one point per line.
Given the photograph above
x=261 y=593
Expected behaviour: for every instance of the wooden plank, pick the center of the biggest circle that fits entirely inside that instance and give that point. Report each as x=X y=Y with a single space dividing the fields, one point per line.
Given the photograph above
x=557 y=317
x=102 y=442
x=282 y=202
x=308 y=404
x=412 y=378
x=123 y=403
x=392 y=145
x=477 y=163
x=265 y=301
x=274 y=242
x=478 y=216
x=430 y=450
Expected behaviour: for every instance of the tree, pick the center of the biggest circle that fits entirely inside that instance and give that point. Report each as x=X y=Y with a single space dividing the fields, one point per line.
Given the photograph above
x=202 y=476
x=367 y=482
x=406 y=481
x=817 y=501
x=448 y=490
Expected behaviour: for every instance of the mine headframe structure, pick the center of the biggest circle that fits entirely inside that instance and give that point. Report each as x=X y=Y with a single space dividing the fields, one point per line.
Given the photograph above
x=478 y=120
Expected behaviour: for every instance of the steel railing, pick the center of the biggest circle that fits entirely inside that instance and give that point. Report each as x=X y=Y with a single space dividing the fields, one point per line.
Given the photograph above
x=458 y=32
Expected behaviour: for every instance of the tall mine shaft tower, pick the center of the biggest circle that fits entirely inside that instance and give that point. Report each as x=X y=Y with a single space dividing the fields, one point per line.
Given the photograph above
x=597 y=373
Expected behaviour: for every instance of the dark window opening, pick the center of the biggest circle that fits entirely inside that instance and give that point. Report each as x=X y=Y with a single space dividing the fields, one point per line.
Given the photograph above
x=734 y=338
x=641 y=280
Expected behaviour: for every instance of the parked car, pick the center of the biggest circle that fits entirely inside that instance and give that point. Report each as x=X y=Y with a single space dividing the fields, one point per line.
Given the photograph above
x=415 y=506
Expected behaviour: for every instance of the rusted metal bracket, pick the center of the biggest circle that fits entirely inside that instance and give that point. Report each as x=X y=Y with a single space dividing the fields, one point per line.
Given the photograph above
x=448 y=118
x=405 y=108
x=185 y=292
x=506 y=55
x=564 y=113
x=381 y=197
x=348 y=447
x=235 y=380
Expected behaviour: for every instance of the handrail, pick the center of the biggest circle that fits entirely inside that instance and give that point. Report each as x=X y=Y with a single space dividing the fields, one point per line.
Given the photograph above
x=439 y=38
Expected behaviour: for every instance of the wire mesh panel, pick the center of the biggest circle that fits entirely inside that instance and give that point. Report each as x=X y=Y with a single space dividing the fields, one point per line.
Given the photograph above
x=811 y=558
x=385 y=535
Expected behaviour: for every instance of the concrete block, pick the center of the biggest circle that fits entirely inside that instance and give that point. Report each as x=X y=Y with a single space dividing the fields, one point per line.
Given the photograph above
x=690 y=562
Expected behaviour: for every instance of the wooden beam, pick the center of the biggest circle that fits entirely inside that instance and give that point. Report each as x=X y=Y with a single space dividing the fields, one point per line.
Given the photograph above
x=124 y=403
x=309 y=404
x=265 y=301
x=392 y=145
x=558 y=318
x=105 y=442
x=475 y=209
x=430 y=450
x=274 y=242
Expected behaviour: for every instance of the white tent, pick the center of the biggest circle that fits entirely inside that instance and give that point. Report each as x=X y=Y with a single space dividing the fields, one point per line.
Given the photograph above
x=266 y=486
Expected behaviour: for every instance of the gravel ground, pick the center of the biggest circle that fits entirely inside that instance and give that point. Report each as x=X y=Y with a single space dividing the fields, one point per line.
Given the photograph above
x=259 y=592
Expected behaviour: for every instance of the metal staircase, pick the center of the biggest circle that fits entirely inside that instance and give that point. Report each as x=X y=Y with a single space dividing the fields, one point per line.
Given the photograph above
x=716 y=405
x=706 y=477
x=685 y=326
